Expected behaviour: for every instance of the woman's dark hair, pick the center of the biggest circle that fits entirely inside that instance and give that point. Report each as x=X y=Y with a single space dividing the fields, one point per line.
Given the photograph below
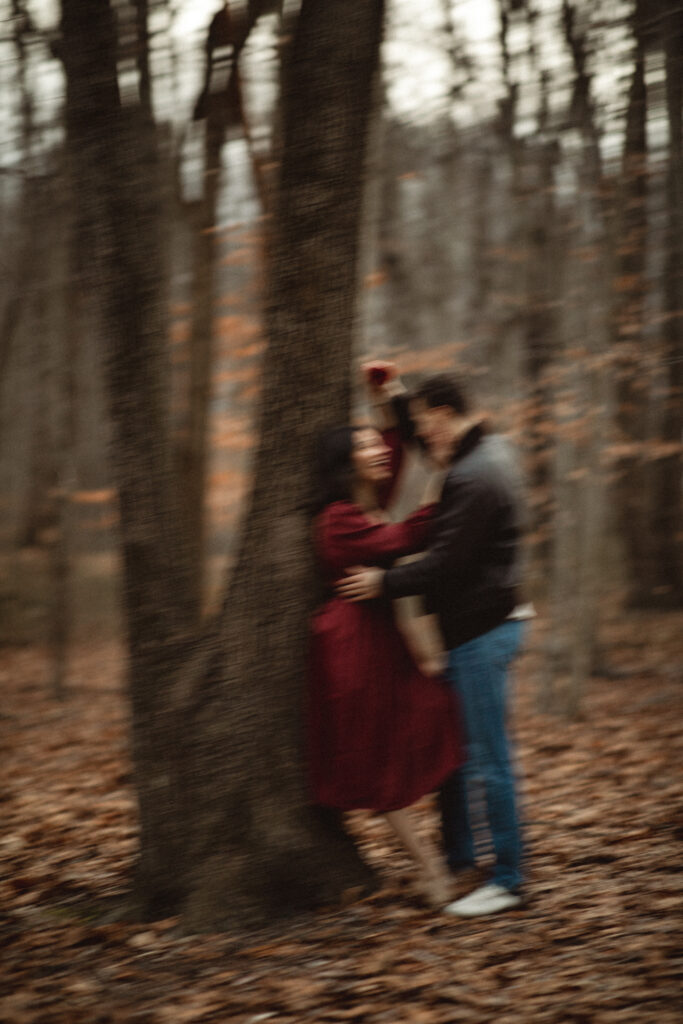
x=442 y=389
x=333 y=468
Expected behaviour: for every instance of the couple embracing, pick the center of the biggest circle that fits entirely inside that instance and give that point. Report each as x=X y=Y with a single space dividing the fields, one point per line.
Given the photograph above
x=386 y=725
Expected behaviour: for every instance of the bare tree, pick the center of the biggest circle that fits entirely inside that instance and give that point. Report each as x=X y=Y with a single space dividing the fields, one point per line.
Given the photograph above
x=583 y=410
x=669 y=492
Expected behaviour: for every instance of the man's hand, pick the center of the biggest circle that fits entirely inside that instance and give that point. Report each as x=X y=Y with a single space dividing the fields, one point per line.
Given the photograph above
x=361 y=584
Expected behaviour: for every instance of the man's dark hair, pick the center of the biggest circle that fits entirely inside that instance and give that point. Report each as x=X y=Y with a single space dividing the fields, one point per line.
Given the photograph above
x=442 y=389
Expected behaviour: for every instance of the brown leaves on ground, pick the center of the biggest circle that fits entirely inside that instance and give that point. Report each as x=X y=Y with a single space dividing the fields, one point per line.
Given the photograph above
x=598 y=943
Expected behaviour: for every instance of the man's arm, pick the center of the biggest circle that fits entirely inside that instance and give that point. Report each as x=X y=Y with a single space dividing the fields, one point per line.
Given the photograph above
x=460 y=528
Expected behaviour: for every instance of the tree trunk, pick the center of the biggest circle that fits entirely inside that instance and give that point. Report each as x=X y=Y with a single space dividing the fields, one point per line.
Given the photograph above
x=255 y=847
x=584 y=410
x=115 y=176
x=633 y=490
x=669 y=471
x=142 y=55
x=220 y=106
x=227 y=834
x=191 y=449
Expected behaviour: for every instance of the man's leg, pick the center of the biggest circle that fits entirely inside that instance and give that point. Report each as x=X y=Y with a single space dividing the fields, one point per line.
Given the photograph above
x=455 y=821
x=479 y=670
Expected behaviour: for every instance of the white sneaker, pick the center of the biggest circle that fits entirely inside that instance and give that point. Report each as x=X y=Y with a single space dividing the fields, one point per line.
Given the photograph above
x=488 y=899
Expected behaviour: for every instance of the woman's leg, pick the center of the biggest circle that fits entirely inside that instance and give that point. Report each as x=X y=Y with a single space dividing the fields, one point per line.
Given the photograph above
x=433 y=878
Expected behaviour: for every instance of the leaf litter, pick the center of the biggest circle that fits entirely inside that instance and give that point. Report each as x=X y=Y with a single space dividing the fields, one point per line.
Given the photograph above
x=597 y=943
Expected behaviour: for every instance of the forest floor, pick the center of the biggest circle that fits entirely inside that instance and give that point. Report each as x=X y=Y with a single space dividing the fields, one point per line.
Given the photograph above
x=598 y=943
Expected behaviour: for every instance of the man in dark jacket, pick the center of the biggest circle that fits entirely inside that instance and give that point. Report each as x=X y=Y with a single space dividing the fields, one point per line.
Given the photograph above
x=469 y=578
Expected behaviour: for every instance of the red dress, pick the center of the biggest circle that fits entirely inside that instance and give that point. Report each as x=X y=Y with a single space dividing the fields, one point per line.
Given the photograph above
x=381 y=734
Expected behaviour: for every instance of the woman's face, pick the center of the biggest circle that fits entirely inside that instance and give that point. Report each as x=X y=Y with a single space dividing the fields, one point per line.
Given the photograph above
x=370 y=456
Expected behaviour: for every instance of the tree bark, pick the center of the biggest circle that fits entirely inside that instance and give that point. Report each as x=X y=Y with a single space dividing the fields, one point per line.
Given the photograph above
x=220 y=106
x=114 y=174
x=584 y=411
x=669 y=471
x=256 y=848
x=633 y=490
x=227 y=834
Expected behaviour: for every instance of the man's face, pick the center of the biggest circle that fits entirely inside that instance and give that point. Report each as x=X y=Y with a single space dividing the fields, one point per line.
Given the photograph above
x=437 y=427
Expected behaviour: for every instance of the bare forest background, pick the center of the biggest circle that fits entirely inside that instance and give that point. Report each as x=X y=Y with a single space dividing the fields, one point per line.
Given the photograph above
x=209 y=214
x=530 y=239
x=204 y=224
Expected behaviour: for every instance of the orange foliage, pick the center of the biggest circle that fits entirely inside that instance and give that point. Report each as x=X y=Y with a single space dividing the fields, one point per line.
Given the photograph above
x=234 y=326
x=597 y=941
x=250 y=393
x=439 y=357
x=93 y=497
x=230 y=299
x=233 y=442
x=628 y=282
x=237 y=258
x=226 y=488
x=179 y=331
x=509 y=252
x=255 y=349
x=180 y=309
x=241 y=374
x=374 y=279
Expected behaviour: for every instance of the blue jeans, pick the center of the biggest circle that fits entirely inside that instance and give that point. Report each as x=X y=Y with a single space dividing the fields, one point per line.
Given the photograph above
x=477 y=671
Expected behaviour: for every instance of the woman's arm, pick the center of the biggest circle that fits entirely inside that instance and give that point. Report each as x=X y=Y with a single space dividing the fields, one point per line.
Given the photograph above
x=349 y=537
x=422 y=636
x=383 y=385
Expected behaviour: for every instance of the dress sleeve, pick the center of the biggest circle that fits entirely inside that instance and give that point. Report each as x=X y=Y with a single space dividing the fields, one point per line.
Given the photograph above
x=348 y=537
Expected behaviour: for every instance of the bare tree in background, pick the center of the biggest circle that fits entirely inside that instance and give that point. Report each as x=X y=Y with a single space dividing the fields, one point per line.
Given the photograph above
x=583 y=410
x=669 y=494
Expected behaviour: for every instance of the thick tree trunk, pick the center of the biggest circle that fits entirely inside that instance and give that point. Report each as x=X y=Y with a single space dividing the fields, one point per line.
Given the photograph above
x=227 y=833
x=114 y=174
x=256 y=848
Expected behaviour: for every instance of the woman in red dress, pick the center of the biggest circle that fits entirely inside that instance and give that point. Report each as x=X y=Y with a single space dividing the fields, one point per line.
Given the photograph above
x=381 y=732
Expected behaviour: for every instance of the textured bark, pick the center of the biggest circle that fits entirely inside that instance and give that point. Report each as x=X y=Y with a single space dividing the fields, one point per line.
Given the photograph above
x=256 y=848
x=114 y=174
x=227 y=834
x=633 y=490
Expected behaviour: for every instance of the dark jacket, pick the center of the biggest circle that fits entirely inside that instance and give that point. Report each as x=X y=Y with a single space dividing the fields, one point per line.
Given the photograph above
x=469 y=575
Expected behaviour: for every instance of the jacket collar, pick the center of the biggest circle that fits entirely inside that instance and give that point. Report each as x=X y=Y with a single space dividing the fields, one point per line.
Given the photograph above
x=469 y=441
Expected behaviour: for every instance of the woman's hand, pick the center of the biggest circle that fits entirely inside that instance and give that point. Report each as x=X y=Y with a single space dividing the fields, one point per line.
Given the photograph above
x=381 y=379
x=382 y=383
x=433 y=666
